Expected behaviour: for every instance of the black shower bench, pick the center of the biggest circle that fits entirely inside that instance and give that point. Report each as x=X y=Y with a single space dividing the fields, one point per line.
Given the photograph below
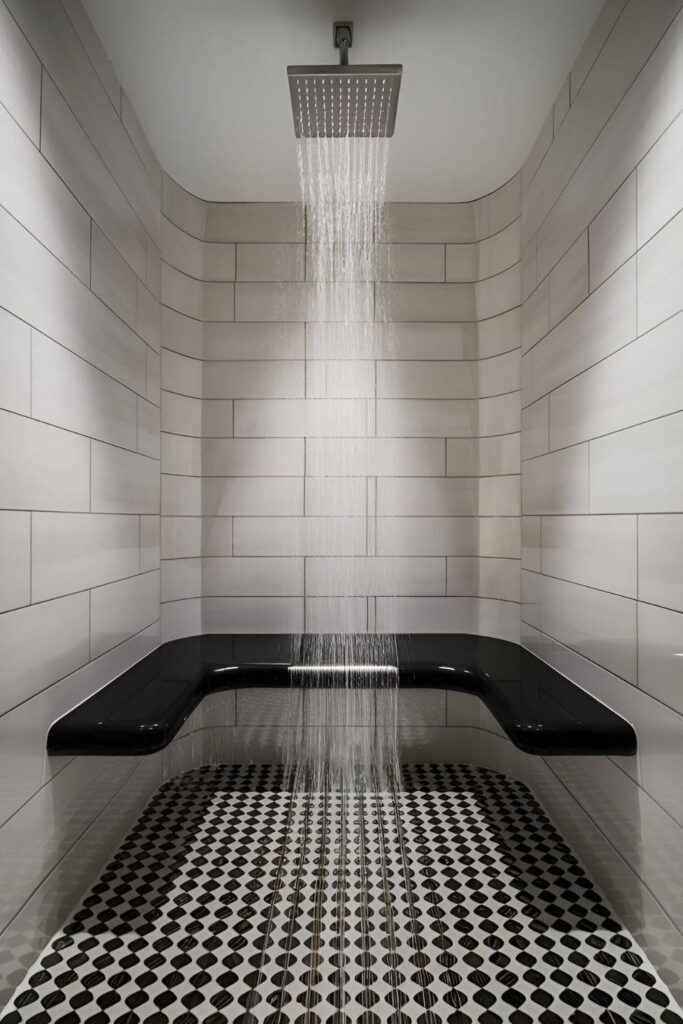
x=540 y=710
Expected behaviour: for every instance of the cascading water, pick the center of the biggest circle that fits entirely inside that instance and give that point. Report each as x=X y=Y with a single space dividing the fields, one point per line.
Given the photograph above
x=343 y=733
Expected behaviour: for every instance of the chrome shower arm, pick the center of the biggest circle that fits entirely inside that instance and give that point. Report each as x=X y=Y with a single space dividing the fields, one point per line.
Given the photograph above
x=343 y=39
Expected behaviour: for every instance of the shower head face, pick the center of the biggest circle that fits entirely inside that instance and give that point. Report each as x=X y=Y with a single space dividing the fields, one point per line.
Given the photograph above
x=340 y=101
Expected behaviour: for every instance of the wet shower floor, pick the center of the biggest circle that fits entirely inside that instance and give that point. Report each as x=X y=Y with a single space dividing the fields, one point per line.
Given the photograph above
x=230 y=901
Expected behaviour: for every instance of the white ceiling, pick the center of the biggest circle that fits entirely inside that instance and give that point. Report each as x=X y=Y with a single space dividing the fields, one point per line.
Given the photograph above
x=207 y=80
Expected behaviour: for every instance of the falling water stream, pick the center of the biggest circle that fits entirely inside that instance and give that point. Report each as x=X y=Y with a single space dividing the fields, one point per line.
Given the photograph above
x=343 y=730
x=346 y=853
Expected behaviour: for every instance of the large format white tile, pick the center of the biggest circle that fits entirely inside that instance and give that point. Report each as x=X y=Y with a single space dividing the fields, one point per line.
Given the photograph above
x=121 y=609
x=182 y=208
x=15 y=559
x=660 y=275
x=405 y=378
x=217 y=536
x=76 y=551
x=38 y=198
x=406 y=340
x=660 y=191
x=569 y=280
x=430 y=222
x=300 y=535
x=250 y=496
x=150 y=542
x=499 y=496
x=639 y=469
x=410 y=262
x=181 y=414
x=254 y=222
x=599 y=625
x=483 y=456
x=499 y=374
x=218 y=301
x=416 y=417
x=363 y=576
x=537 y=152
x=612 y=235
x=483 y=577
x=557 y=483
x=535 y=429
x=375 y=456
x=181 y=536
x=148 y=317
x=247 y=456
x=497 y=294
x=39 y=289
x=336 y=496
x=660 y=654
x=314 y=417
x=65 y=145
x=474 y=261
x=268 y=261
x=660 y=733
x=24 y=764
x=605 y=322
x=181 y=374
x=19 y=76
x=453 y=496
x=536 y=315
x=595 y=40
x=129 y=118
x=646 y=110
x=625 y=52
x=641 y=381
x=42 y=467
x=337 y=614
x=499 y=334
x=182 y=293
x=258 y=379
x=111 y=278
x=15 y=364
x=149 y=422
x=531 y=543
x=123 y=481
x=425 y=302
x=287 y=300
x=182 y=334
x=249 y=577
x=253 y=341
x=596 y=551
x=253 y=615
x=40 y=644
x=660 y=560
x=481 y=616
x=181 y=618
x=67 y=391
x=340 y=378
x=71 y=68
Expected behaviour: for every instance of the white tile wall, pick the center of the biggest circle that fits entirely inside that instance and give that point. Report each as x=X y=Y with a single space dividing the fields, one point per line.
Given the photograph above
x=602 y=435
x=79 y=435
x=348 y=423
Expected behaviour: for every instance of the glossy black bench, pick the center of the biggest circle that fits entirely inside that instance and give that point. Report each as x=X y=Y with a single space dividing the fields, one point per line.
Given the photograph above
x=540 y=710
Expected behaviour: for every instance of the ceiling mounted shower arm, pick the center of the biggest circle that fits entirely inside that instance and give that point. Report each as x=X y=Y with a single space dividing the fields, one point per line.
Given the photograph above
x=343 y=39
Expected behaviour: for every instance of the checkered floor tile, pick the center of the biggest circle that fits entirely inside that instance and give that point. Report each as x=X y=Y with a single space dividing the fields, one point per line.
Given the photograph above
x=233 y=900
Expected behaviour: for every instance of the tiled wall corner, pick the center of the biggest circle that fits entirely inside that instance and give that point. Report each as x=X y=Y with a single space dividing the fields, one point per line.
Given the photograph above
x=602 y=429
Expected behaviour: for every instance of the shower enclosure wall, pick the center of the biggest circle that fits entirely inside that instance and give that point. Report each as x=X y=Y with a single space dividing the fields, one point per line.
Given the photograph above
x=108 y=265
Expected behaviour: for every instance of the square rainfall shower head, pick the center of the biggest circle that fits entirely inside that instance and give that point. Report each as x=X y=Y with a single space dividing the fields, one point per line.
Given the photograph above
x=338 y=101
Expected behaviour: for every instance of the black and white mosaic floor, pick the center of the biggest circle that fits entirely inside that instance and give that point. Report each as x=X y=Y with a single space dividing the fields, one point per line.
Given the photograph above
x=232 y=901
